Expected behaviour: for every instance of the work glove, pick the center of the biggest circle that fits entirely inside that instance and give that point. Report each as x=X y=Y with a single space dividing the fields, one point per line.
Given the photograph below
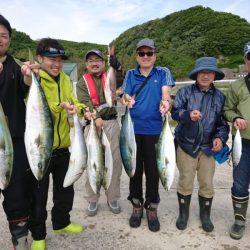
x=113 y=62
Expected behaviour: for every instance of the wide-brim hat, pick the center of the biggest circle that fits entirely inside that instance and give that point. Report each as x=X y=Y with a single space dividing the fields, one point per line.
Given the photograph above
x=206 y=63
x=94 y=51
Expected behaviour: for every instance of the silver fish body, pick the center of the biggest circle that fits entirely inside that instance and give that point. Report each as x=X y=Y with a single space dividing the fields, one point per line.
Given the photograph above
x=78 y=156
x=165 y=155
x=108 y=170
x=128 y=147
x=39 y=131
x=110 y=86
x=96 y=163
x=237 y=148
x=6 y=152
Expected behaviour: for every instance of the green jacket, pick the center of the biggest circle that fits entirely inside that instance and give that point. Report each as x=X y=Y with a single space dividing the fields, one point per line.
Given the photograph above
x=55 y=94
x=237 y=104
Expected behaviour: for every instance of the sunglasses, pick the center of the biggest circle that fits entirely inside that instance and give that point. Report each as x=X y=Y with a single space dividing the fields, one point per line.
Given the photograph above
x=248 y=56
x=142 y=54
x=55 y=51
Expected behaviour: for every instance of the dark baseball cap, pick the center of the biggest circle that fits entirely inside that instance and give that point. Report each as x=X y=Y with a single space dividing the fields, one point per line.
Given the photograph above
x=96 y=52
x=146 y=42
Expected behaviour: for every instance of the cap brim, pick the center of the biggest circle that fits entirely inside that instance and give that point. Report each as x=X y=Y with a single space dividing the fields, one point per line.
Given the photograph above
x=152 y=47
x=64 y=57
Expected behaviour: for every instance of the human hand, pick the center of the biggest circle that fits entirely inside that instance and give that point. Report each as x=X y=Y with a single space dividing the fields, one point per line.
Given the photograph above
x=70 y=108
x=195 y=115
x=240 y=123
x=127 y=100
x=164 y=106
x=27 y=68
x=217 y=145
x=113 y=62
x=99 y=123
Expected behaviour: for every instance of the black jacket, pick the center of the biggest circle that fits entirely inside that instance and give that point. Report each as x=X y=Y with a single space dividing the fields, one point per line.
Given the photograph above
x=12 y=94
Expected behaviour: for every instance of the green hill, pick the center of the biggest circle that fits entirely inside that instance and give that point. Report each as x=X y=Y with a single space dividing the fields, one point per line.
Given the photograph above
x=181 y=38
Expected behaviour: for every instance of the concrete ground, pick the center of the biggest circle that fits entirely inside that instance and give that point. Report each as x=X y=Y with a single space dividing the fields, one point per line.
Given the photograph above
x=111 y=232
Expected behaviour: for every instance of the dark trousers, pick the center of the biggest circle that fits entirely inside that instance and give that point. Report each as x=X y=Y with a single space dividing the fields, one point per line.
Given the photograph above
x=145 y=160
x=17 y=196
x=241 y=172
x=62 y=197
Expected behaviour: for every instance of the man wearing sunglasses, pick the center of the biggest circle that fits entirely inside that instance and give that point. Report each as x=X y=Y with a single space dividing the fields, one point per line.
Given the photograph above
x=90 y=90
x=146 y=114
x=237 y=111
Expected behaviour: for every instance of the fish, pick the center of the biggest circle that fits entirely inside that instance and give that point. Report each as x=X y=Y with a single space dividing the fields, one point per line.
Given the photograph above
x=39 y=131
x=237 y=148
x=127 y=143
x=110 y=83
x=198 y=138
x=96 y=162
x=165 y=155
x=78 y=156
x=108 y=170
x=6 y=152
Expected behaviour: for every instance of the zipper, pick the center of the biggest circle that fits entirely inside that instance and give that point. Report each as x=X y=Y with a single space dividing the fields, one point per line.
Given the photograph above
x=59 y=120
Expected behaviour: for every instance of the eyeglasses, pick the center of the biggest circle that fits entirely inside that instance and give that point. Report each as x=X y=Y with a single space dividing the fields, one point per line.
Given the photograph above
x=95 y=61
x=248 y=56
x=142 y=53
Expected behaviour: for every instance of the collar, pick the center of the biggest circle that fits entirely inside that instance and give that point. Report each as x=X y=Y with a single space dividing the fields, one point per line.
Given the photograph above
x=3 y=59
x=210 y=90
x=137 y=71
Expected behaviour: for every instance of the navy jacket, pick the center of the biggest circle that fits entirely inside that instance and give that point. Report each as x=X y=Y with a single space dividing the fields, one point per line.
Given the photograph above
x=210 y=103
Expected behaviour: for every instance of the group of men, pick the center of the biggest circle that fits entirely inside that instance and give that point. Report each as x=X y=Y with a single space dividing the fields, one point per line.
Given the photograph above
x=201 y=110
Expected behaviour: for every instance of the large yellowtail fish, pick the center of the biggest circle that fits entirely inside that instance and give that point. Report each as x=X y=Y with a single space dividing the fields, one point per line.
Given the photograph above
x=128 y=146
x=110 y=83
x=6 y=152
x=108 y=170
x=96 y=163
x=165 y=155
x=39 y=131
x=237 y=148
x=78 y=156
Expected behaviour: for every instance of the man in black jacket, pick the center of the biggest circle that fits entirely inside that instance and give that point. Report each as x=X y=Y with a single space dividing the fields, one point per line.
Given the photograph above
x=12 y=93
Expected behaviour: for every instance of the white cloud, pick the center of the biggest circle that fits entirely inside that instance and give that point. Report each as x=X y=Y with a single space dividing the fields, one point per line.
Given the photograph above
x=98 y=21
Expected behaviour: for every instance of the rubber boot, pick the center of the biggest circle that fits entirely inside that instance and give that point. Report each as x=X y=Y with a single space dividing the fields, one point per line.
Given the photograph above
x=205 y=210
x=184 y=202
x=19 y=232
x=240 y=209
x=153 y=221
x=135 y=219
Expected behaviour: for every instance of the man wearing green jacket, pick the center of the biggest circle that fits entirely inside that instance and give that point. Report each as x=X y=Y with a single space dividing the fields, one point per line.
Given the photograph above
x=236 y=110
x=62 y=102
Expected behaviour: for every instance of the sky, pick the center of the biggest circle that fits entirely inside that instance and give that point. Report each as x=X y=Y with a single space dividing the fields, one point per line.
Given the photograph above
x=99 y=21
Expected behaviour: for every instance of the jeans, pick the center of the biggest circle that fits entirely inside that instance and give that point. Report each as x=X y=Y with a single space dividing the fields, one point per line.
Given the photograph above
x=241 y=172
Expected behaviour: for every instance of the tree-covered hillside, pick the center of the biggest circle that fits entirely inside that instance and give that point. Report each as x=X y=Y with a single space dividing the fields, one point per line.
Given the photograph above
x=180 y=38
x=184 y=36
